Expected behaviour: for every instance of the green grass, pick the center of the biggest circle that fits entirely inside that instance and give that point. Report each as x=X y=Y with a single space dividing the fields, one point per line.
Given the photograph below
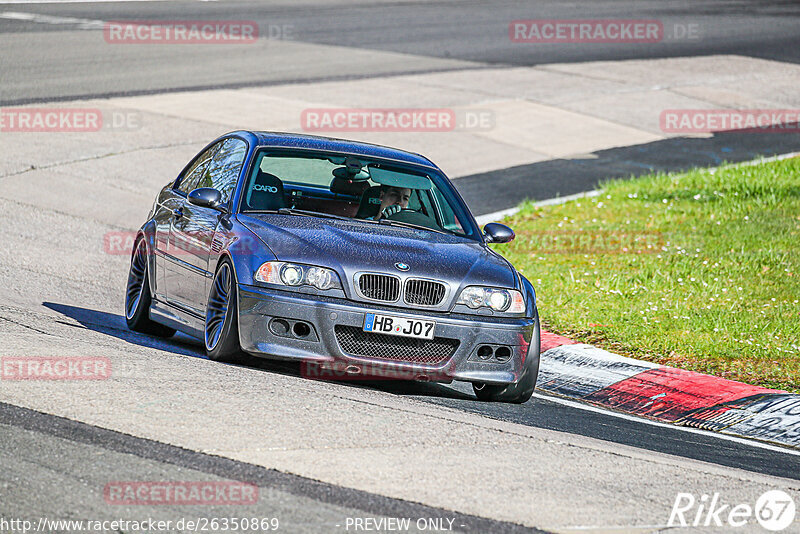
x=698 y=270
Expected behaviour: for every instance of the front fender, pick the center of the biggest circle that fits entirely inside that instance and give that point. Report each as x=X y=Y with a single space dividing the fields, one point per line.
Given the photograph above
x=148 y=233
x=244 y=249
x=531 y=309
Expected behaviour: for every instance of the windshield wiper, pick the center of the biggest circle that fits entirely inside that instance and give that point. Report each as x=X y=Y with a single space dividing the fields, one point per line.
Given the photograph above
x=308 y=213
x=389 y=222
x=305 y=213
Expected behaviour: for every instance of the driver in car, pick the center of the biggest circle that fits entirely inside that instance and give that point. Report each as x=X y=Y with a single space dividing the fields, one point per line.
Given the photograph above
x=393 y=199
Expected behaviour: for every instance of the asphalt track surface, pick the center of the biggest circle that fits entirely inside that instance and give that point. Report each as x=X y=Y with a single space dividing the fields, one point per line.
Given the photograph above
x=467 y=39
x=449 y=34
x=60 y=58
x=50 y=443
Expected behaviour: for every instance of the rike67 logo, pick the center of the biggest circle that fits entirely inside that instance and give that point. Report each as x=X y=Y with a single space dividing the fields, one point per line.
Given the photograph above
x=774 y=510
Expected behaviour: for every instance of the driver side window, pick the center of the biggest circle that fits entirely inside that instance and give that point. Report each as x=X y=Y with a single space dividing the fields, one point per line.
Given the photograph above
x=223 y=171
x=193 y=174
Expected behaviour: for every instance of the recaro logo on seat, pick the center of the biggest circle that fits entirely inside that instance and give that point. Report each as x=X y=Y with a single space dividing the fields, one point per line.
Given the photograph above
x=267 y=188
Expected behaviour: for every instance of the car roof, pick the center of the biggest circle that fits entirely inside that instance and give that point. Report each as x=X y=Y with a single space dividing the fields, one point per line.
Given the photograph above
x=314 y=142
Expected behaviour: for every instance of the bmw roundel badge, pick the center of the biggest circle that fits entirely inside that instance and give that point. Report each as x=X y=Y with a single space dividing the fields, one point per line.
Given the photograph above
x=402 y=266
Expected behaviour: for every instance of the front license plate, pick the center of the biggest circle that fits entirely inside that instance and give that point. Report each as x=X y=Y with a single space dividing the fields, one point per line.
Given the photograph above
x=399 y=326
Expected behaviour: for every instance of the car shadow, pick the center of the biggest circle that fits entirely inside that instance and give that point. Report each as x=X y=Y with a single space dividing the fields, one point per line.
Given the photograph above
x=421 y=389
x=114 y=325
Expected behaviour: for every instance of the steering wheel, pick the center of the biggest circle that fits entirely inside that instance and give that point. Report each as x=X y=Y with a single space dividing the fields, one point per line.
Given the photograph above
x=398 y=212
x=414 y=217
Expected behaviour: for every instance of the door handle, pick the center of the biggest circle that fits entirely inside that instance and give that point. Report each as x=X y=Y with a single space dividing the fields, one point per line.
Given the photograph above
x=177 y=213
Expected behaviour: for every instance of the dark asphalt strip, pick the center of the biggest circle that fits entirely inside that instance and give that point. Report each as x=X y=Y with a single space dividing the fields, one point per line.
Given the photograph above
x=235 y=85
x=505 y=188
x=233 y=470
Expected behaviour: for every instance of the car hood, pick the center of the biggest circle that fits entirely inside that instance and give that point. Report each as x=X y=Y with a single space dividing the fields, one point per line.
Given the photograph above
x=351 y=247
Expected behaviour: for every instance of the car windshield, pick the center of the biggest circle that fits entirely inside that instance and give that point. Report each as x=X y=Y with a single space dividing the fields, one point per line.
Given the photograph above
x=358 y=188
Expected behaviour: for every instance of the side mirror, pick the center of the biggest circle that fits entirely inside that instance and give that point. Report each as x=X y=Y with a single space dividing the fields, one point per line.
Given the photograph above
x=206 y=197
x=498 y=233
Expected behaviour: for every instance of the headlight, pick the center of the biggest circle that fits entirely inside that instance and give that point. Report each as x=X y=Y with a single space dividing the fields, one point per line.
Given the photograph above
x=292 y=274
x=500 y=300
x=320 y=277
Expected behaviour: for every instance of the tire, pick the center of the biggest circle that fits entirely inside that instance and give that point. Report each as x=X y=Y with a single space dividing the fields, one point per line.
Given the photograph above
x=221 y=329
x=138 y=297
x=516 y=392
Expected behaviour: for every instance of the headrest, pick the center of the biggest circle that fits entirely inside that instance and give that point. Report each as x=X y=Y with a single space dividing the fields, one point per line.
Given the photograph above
x=266 y=178
x=266 y=192
x=370 y=203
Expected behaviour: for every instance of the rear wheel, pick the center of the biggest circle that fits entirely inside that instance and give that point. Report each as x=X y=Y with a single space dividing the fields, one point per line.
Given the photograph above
x=138 y=297
x=520 y=391
x=222 y=324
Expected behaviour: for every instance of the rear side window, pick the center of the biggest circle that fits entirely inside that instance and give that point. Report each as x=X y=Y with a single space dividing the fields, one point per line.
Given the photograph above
x=223 y=170
x=192 y=175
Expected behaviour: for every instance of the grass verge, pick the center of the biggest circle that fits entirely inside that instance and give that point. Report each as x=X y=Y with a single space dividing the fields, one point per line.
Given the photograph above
x=699 y=270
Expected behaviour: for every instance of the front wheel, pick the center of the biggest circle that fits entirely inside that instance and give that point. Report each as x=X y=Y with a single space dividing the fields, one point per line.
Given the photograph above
x=138 y=297
x=222 y=324
x=520 y=391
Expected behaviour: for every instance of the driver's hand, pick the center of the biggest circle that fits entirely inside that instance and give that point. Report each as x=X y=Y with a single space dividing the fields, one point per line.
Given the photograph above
x=388 y=211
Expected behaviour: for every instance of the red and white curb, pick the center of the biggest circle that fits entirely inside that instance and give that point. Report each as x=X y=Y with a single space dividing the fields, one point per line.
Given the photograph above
x=664 y=394
x=686 y=398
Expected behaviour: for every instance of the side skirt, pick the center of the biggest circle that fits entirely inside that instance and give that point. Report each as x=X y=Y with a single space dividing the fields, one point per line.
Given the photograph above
x=178 y=318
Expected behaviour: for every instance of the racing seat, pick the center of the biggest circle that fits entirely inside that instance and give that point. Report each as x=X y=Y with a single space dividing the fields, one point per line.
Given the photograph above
x=266 y=193
x=370 y=203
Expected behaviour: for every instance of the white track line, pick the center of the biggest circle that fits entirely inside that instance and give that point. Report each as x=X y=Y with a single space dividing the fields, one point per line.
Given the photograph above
x=22 y=2
x=624 y=528
x=591 y=408
x=83 y=24
x=499 y=215
x=779 y=157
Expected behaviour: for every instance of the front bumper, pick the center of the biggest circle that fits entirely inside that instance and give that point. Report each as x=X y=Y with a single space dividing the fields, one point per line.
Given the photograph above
x=323 y=345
